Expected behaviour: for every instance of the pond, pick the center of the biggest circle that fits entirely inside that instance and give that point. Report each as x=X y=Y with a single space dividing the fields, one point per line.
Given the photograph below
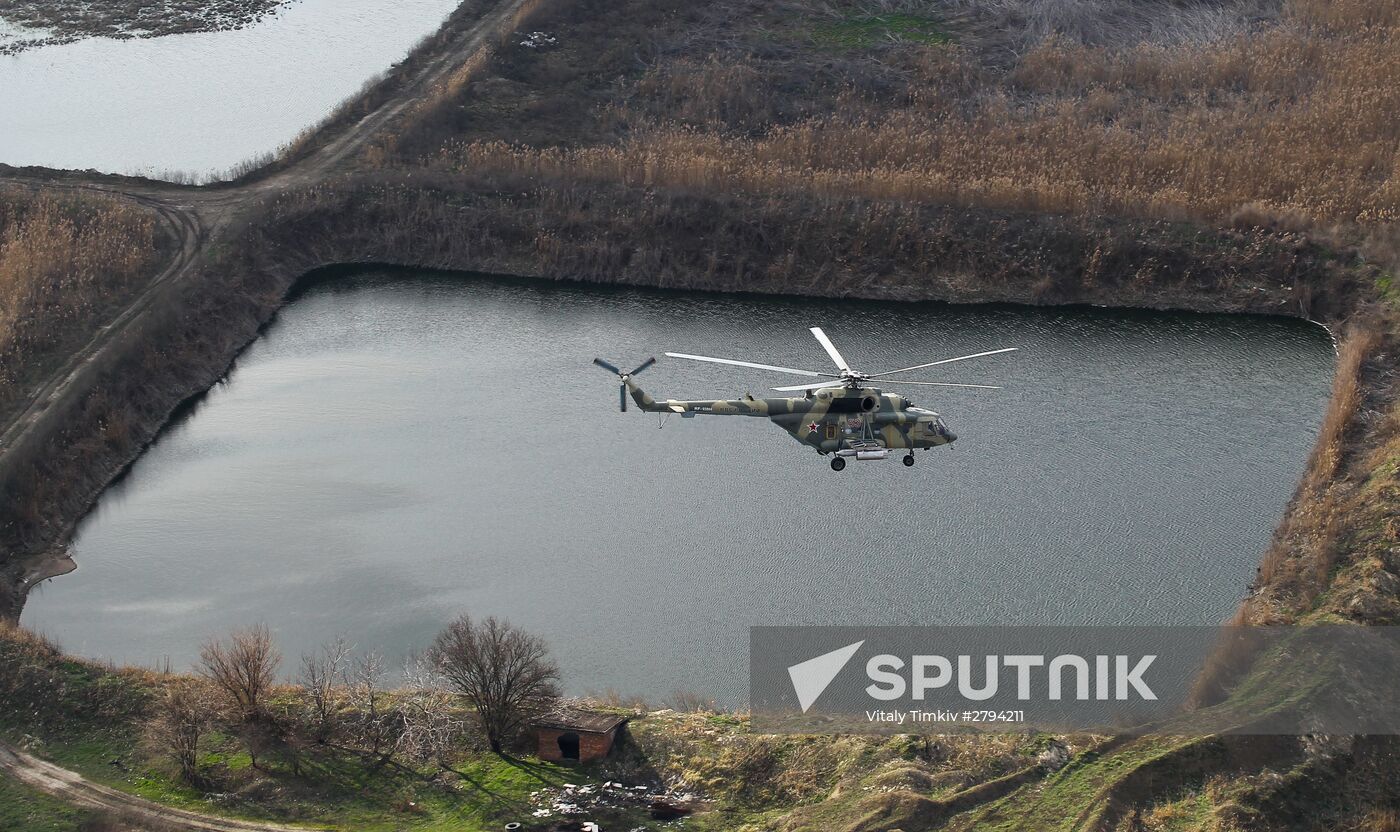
x=195 y=105
x=398 y=449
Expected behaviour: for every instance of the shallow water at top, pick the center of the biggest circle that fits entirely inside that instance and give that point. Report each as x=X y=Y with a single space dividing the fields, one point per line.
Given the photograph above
x=396 y=451
x=200 y=103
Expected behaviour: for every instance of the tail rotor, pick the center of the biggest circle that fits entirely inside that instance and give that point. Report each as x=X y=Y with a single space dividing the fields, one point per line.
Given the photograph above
x=622 y=389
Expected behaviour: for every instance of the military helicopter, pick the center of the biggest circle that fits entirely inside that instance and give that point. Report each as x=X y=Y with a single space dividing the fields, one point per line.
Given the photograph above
x=839 y=416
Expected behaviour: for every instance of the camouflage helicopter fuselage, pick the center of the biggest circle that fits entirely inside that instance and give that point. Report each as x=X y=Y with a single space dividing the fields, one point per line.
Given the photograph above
x=835 y=419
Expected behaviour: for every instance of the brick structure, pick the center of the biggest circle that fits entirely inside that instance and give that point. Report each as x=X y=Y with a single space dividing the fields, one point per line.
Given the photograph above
x=572 y=734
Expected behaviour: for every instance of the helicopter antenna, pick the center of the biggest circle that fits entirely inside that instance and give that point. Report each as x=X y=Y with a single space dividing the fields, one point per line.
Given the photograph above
x=622 y=389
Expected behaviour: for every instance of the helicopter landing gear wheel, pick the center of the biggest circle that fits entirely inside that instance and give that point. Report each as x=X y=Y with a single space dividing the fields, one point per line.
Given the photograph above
x=838 y=463
x=908 y=460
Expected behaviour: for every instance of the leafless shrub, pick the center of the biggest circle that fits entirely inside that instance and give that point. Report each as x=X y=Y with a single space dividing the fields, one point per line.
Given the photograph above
x=247 y=166
x=505 y=673
x=182 y=714
x=371 y=723
x=614 y=698
x=243 y=670
x=321 y=673
x=175 y=176
x=689 y=702
x=430 y=725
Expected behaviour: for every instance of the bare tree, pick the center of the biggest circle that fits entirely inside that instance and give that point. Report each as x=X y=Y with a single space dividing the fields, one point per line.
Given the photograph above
x=430 y=725
x=504 y=672
x=372 y=722
x=243 y=670
x=182 y=714
x=321 y=672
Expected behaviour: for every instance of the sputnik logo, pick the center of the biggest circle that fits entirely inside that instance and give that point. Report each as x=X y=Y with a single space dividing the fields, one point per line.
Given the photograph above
x=811 y=677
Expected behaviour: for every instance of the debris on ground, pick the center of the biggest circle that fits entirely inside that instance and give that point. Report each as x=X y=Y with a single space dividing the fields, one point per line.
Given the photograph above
x=573 y=801
x=1055 y=756
x=538 y=40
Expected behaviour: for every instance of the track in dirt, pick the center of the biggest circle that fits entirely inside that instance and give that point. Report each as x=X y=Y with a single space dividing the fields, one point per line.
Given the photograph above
x=77 y=790
x=195 y=216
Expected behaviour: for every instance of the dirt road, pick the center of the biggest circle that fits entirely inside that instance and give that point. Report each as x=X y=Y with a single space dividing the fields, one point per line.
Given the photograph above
x=127 y=809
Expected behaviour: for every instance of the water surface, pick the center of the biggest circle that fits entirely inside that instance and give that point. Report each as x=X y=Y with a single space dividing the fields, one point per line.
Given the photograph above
x=203 y=102
x=395 y=451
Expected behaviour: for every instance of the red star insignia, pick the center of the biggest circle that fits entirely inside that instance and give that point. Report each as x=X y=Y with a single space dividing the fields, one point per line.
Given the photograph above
x=813 y=427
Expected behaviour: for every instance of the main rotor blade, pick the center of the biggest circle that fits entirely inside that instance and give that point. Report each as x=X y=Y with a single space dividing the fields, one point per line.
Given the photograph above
x=811 y=386
x=830 y=349
x=749 y=364
x=939 y=384
x=606 y=366
x=643 y=366
x=944 y=361
x=889 y=381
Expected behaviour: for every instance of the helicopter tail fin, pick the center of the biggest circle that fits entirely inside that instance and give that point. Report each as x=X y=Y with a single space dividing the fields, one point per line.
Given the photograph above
x=644 y=401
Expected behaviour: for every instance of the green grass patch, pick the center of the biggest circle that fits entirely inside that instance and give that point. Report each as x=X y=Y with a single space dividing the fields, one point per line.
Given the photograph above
x=334 y=789
x=1061 y=799
x=1389 y=291
x=1183 y=814
x=868 y=31
x=24 y=810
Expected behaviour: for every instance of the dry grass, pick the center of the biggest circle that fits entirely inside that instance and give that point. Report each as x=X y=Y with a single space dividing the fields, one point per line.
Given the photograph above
x=41 y=688
x=452 y=86
x=1334 y=552
x=1108 y=22
x=1298 y=119
x=1299 y=563
x=63 y=261
x=1380 y=820
x=717 y=755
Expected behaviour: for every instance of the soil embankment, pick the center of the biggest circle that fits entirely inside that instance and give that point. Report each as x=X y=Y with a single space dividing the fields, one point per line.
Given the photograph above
x=243 y=246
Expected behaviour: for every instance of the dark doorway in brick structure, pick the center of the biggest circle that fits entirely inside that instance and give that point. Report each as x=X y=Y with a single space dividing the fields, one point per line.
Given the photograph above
x=569 y=734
